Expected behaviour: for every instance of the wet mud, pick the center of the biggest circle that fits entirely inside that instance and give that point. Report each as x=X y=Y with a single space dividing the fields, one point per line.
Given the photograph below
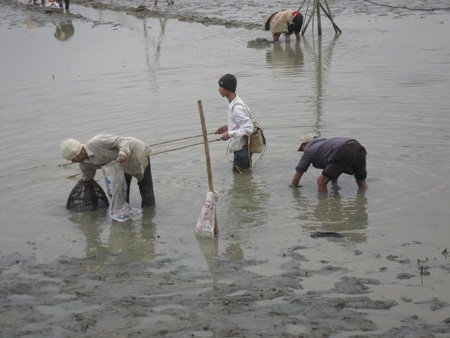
x=81 y=298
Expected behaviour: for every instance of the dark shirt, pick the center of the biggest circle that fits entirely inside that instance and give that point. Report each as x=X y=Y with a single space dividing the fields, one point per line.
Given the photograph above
x=320 y=152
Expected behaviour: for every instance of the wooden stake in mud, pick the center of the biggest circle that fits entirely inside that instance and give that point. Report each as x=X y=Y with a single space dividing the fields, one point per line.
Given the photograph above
x=316 y=9
x=208 y=158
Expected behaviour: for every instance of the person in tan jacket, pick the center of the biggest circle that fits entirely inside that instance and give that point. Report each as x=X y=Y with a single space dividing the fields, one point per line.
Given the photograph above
x=101 y=149
x=285 y=22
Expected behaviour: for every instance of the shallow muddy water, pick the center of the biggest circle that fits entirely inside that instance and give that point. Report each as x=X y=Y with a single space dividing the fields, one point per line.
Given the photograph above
x=384 y=81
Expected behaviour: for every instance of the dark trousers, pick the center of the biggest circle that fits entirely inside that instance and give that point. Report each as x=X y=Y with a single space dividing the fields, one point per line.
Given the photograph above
x=349 y=159
x=242 y=160
x=145 y=188
x=296 y=24
x=66 y=2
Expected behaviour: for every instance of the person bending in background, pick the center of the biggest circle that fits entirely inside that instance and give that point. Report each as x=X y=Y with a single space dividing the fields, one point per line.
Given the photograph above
x=335 y=156
x=131 y=152
x=239 y=127
x=285 y=22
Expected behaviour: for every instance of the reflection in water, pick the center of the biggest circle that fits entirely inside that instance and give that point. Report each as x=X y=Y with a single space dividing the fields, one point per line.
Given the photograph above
x=126 y=241
x=247 y=203
x=322 y=62
x=333 y=213
x=247 y=207
x=151 y=65
x=289 y=56
x=64 y=30
x=210 y=250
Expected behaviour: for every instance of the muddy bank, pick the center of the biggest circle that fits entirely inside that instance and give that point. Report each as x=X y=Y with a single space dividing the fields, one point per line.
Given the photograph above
x=243 y=15
x=84 y=298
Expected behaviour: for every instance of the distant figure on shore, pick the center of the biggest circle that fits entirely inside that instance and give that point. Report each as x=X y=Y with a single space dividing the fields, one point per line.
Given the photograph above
x=335 y=156
x=131 y=152
x=285 y=22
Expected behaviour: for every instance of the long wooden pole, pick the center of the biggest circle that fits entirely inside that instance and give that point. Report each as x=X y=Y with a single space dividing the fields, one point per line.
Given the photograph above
x=319 y=23
x=330 y=16
x=311 y=15
x=208 y=159
x=316 y=11
x=205 y=141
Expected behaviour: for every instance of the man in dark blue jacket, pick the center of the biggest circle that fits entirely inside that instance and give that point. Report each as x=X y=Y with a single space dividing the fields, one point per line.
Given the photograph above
x=335 y=156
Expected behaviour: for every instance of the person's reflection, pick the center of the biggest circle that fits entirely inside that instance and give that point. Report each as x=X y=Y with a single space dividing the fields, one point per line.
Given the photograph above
x=347 y=216
x=247 y=207
x=32 y=23
x=64 y=30
x=90 y=225
x=285 y=55
x=336 y=214
x=126 y=241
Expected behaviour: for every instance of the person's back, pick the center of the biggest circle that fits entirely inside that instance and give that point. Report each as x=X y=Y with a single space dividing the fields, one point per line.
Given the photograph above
x=335 y=156
x=320 y=151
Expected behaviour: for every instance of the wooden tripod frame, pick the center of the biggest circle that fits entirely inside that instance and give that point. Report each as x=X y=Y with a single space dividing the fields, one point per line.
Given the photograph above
x=318 y=6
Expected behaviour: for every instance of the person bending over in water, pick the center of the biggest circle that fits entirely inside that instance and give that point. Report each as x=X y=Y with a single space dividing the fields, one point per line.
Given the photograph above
x=131 y=152
x=335 y=156
x=285 y=22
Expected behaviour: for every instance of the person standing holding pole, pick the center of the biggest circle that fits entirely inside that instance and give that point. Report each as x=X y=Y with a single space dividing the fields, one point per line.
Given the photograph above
x=239 y=127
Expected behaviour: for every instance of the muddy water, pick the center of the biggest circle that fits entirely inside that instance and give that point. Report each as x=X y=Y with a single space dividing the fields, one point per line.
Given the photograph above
x=383 y=81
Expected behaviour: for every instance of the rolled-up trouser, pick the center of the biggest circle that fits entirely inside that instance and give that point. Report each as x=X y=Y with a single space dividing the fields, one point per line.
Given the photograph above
x=242 y=159
x=145 y=187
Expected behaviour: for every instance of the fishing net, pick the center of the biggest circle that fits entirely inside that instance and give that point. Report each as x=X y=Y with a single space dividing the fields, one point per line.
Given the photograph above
x=207 y=221
x=116 y=187
x=87 y=196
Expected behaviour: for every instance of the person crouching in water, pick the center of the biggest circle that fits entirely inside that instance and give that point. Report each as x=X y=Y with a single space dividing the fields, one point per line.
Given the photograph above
x=336 y=155
x=239 y=127
x=285 y=22
x=131 y=152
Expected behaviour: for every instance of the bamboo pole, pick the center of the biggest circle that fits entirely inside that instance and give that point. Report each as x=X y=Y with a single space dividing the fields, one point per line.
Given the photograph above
x=208 y=159
x=162 y=151
x=176 y=140
x=300 y=7
x=182 y=147
x=311 y=15
x=319 y=23
x=205 y=141
x=316 y=11
x=330 y=16
x=151 y=154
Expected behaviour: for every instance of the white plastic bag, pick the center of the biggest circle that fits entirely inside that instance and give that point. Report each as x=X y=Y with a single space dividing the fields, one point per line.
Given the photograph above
x=116 y=188
x=206 y=223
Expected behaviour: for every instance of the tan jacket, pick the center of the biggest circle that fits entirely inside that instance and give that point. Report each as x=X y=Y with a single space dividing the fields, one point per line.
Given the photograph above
x=104 y=148
x=279 y=22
